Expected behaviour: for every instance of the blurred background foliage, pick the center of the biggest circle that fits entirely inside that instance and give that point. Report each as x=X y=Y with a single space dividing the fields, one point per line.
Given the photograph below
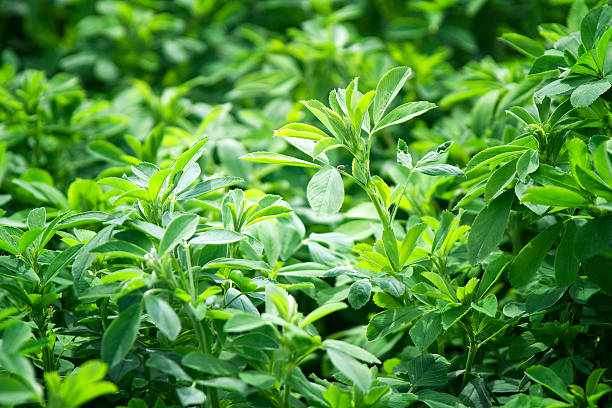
x=77 y=74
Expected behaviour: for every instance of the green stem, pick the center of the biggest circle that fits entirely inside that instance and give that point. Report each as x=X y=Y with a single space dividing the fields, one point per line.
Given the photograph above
x=472 y=350
x=286 y=394
x=382 y=212
x=399 y=200
x=205 y=347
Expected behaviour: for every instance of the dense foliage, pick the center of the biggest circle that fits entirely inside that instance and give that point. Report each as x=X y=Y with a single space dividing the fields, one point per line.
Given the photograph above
x=189 y=217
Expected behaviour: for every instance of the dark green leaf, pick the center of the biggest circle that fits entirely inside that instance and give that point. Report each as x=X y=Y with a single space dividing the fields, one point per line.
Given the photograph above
x=566 y=261
x=120 y=335
x=426 y=330
x=549 y=379
x=180 y=228
x=387 y=89
x=391 y=320
x=527 y=262
x=488 y=228
x=359 y=293
x=163 y=316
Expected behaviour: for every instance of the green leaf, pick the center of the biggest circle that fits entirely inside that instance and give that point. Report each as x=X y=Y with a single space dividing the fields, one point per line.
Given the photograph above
x=566 y=261
x=441 y=282
x=603 y=163
x=387 y=89
x=475 y=394
x=120 y=249
x=163 y=316
x=582 y=290
x=527 y=262
x=543 y=298
x=593 y=237
x=482 y=112
x=391 y=320
x=321 y=312
x=60 y=262
x=8 y=241
x=217 y=237
x=410 y=240
x=361 y=110
x=391 y=286
x=527 y=164
x=209 y=364
x=302 y=131
x=336 y=398
x=391 y=249
x=325 y=145
x=245 y=322
x=226 y=383
x=207 y=186
x=277 y=158
x=167 y=366
x=325 y=191
x=85 y=257
x=180 y=228
x=359 y=293
x=446 y=222
x=586 y=94
x=521 y=114
x=259 y=380
x=358 y=373
x=499 y=180
x=27 y=239
x=601 y=48
x=84 y=385
x=352 y=350
x=524 y=45
x=437 y=399
x=493 y=156
x=37 y=218
x=429 y=370
x=156 y=182
x=440 y=170
x=189 y=396
x=15 y=336
x=330 y=119
x=488 y=305
x=594 y=25
x=187 y=159
x=549 y=379
x=45 y=193
x=120 y=335
x=235 y=299
x=554 y=196
x=403 y=113
x=14 y=392
x=560 y=112
x=488 y=228
x=403 y=156
x=577 y=12
x=238 y=264
x=111 y=153
x=491 y=274
x=593 y=381
x=547 y=63
x=426 y=330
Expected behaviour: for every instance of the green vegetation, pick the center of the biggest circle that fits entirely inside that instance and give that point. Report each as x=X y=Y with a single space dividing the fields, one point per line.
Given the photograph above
x=189 y=217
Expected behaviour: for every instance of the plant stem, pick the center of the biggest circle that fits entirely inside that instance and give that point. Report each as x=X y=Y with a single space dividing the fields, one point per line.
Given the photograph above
x=286 y=394
x=382 y=212
x=472 y=350
x=205 y=347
